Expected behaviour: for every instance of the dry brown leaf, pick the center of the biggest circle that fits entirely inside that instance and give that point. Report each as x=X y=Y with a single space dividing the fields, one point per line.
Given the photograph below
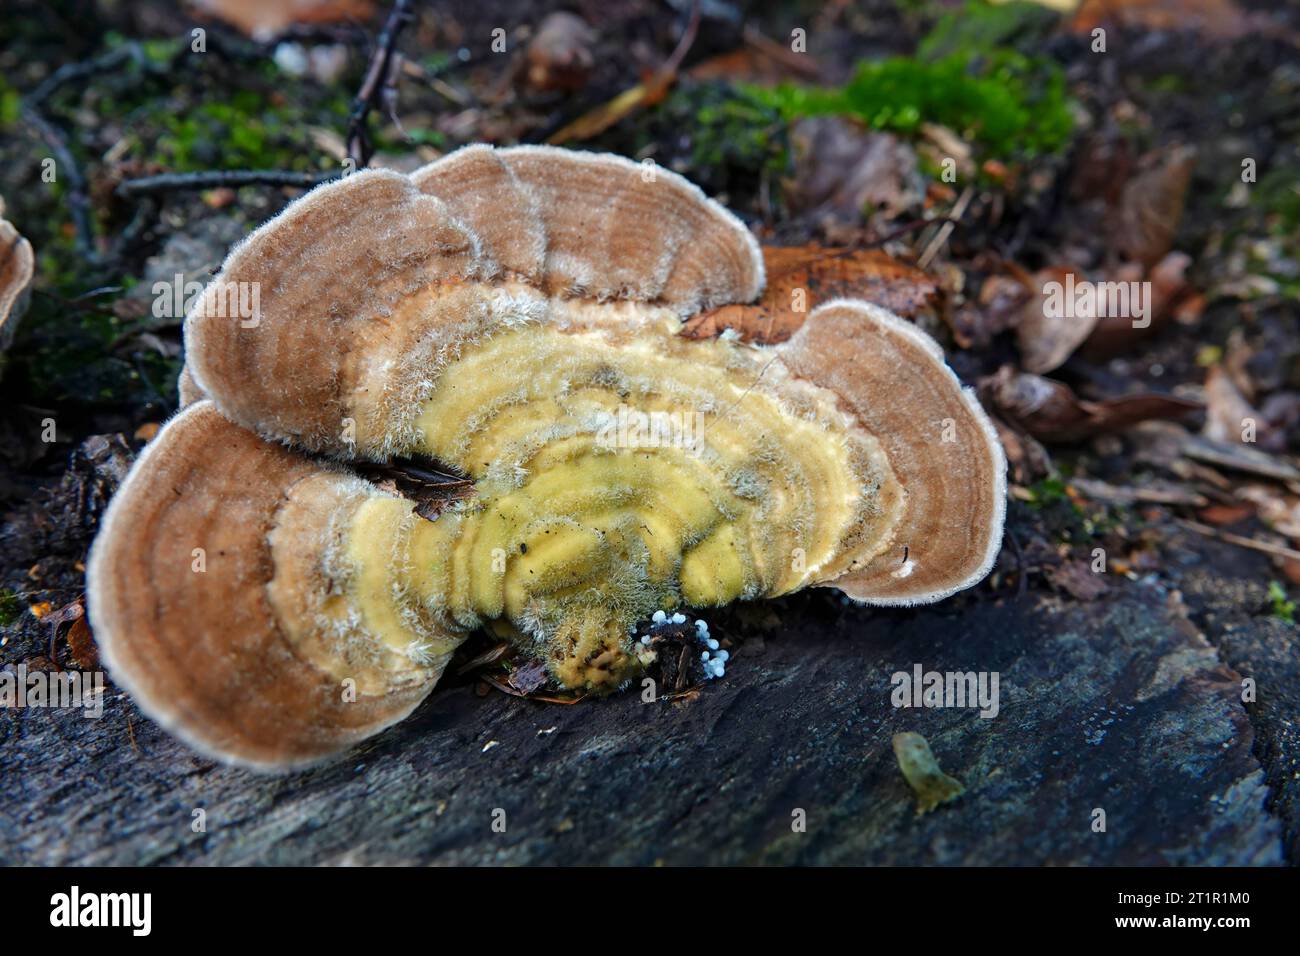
x=81 y=645
x=1047 y=339
x=1114 y=334
x=559 y=56
x=1151 y=205
x=1213 y=19
x=1051 y=412
x=847 y=173
x=266 y=18
x=1229 y=416
x=1077 y=579
x=799 y=278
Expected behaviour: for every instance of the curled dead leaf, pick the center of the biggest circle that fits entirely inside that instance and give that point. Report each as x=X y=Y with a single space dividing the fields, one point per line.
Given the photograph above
x=1213 y=19
x=1048 y=336
x=1151 y=205
x=266 y=18
x=801 y=277
x=559 y=56
x=1050 y=411
x=1113 y=334
x=845 y=173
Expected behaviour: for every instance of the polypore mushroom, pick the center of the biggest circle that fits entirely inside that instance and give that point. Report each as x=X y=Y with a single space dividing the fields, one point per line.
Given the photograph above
x=17 y=266
x=513 y=314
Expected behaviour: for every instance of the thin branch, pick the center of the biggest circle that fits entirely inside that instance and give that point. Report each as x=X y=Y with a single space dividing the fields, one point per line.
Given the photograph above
x=213 y=179
x=66 y=165
x=945 y=230
x=378 y=83
x=75 y=71
x=1253 y=544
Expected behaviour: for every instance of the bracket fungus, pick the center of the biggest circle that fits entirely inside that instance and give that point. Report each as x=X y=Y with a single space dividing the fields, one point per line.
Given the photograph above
x=513 y=314
x=17 y=267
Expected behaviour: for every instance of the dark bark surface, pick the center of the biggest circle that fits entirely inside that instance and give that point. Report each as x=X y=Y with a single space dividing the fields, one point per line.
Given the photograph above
x=1122 y=705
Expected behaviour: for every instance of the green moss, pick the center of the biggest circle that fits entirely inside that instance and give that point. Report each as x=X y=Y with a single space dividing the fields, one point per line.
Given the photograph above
x=980 y=28
x=10 y=607
x=9 y=104
x=1283 y=608
x=242 y=131
x=976 y=73
x=729 y=139
x=1277 y=195
x=1011 y=104
x=1049 y=491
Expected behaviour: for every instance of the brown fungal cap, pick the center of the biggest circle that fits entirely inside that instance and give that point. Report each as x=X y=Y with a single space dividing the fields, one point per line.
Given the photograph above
x=479 y=238
x=516 y=315
x=937 y=438
x=201 y=584
x=17 y=267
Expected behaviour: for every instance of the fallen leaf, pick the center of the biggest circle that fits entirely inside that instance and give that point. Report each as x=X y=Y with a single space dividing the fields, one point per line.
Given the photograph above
x=1114 y=334
x=69 y=612
x=1077 y=579
x=1051 y=412
x=1151 y=205
x=844 y=172
x=1213 y=19
x=1048 y=336
x=1027 y=459
x=1239 y=457
x=1225 y=514
x=528 y=677
x=1229 y=417
x=1157 y=493
x=263 y=19
x=559 y=56
x=801 y=277
x=147 y=431
x=1278 y=509
x=81 y=645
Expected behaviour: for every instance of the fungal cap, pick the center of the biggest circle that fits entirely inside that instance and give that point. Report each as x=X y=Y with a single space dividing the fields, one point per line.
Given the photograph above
x=468 y=314
x=198 y=588
x=442 y=252
x=17 y=267
x=940 y=443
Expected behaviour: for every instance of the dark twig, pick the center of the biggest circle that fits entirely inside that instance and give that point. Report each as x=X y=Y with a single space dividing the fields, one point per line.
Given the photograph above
x=75 y=71
x=66 y=166
x=378 y=84
x=903 y=230
x=212 y=179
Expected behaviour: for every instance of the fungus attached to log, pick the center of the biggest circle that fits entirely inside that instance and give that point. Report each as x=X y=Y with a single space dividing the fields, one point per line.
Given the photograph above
x=513 y=314
x=17 y=266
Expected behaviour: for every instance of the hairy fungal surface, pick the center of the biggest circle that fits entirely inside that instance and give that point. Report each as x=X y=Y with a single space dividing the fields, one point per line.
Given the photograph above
x=513 y=315
x=620 y=476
